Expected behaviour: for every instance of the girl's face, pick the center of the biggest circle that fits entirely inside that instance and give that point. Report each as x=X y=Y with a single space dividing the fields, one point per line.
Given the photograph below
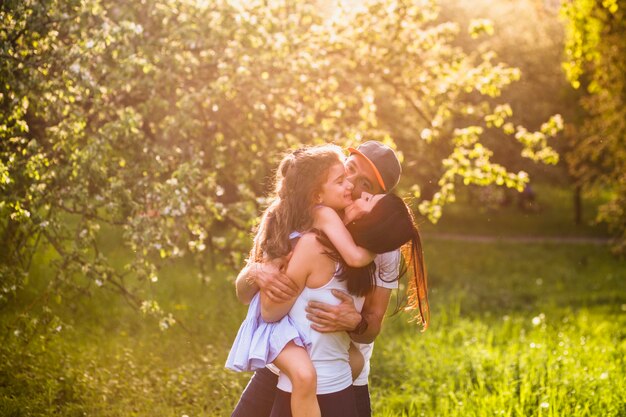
x=336 y=192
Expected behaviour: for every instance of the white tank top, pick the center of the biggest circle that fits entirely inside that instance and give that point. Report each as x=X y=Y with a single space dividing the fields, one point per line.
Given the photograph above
x=329 y=351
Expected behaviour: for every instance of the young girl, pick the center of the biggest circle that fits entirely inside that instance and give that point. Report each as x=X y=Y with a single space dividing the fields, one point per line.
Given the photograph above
x=311 y=187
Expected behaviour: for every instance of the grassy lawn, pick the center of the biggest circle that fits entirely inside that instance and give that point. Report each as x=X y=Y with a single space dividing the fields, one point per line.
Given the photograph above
x=517 y=330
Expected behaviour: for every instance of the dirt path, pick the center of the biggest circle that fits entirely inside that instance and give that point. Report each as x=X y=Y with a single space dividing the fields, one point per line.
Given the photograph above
x=518 y=239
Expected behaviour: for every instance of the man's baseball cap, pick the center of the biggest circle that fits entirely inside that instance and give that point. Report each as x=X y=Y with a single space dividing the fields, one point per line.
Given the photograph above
x=383 y=161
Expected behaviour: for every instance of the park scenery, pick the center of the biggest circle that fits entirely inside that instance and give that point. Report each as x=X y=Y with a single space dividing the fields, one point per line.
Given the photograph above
x=138 y=139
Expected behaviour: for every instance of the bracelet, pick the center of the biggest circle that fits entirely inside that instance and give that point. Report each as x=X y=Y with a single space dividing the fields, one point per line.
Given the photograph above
x=361 y=327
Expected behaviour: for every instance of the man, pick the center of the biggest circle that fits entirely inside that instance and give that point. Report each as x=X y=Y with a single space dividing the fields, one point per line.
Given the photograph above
x=372 y=168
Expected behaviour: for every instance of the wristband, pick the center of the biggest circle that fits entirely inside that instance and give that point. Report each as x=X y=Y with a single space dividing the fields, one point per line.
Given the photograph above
x=361 y=327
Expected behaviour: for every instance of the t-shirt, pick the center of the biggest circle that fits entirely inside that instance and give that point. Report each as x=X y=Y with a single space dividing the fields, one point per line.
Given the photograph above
x=387 y=269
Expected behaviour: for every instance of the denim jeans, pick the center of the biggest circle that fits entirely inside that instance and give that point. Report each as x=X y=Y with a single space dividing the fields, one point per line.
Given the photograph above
x=258 y=397
x=362 y=397
x=337 y=404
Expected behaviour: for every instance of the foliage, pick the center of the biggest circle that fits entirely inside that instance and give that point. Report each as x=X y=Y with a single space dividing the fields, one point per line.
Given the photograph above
x=596 y=59
x=529 y=36
x=162 y=119
x=512 y=366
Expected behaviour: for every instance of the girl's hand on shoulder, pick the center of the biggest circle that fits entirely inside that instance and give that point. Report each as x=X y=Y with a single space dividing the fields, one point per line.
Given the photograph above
x=360 y=207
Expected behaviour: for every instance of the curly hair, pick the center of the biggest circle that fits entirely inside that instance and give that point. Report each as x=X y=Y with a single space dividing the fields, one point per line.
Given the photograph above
x=298 y=180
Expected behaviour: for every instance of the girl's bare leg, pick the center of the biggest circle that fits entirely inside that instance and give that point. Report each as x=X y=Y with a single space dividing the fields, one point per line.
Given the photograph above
x=295 y=362
x=357 y=361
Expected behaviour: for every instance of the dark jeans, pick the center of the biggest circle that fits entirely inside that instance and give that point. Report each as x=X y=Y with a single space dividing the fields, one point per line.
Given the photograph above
x=362 y=397
x=258 y=397
x=337 y=404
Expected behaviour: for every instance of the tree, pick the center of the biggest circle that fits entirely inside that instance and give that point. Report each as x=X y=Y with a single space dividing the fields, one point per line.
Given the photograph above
x=159 y=121
x=596 y=60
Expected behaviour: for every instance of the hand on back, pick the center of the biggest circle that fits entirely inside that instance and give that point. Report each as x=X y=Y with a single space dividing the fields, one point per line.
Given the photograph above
x=328 y=318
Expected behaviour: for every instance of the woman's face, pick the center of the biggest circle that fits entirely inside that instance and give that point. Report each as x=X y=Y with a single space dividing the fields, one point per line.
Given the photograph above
x=337 y=190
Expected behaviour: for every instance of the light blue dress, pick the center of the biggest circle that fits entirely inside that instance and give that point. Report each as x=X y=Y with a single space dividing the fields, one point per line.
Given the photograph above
x=258 y=343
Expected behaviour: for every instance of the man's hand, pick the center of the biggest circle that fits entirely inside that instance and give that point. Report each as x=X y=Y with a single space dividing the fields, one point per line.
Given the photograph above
x=272 y=281
x=328 y=318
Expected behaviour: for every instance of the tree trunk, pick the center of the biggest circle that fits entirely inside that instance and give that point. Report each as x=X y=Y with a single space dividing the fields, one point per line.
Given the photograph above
x=578 y=207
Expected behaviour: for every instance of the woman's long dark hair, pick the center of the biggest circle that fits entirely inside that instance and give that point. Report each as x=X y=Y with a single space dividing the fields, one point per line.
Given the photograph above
x=389 y=226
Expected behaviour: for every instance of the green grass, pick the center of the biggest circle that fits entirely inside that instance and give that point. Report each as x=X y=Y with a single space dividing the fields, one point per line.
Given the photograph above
x=517 y=330
x=106 y=359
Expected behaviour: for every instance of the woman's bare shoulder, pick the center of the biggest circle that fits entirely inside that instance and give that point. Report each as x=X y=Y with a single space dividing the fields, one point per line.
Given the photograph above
x=324 y=212
x=307 y=240
x=309 y=245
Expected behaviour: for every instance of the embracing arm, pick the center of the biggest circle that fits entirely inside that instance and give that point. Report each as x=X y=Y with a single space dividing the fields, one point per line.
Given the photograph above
x=328 y=221
x=267 y=277
x=373 y=312
x=377 y=301
x=328 y=318
x=298 y=270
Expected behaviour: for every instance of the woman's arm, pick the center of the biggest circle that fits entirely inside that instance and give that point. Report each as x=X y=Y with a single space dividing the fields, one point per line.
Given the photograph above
x=298 y=270
x=328 y=221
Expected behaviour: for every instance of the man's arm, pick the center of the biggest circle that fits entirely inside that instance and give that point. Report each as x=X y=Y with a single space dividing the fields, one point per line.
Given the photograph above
x=344 y=317
x=266 y=277
x=327 y=318
x=373 y=312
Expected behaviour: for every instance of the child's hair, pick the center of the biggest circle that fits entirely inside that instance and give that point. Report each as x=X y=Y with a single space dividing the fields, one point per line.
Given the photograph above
x=299 y=178
x=388 y=226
